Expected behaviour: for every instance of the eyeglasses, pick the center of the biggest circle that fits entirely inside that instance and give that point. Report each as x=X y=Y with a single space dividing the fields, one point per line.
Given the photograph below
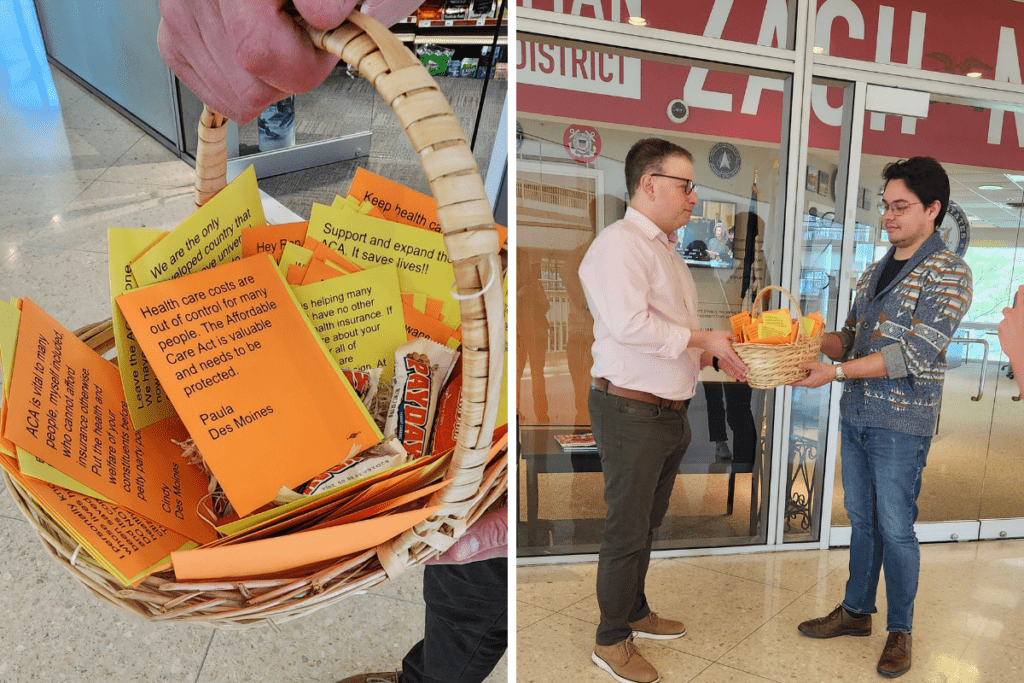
x=897 y=208
x=689 y=187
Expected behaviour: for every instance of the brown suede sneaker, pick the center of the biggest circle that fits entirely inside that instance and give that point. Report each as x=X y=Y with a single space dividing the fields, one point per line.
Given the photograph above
x=895 y=659
x=624 y=663
x=654 y=627
x=381 y=677
x=838 y=623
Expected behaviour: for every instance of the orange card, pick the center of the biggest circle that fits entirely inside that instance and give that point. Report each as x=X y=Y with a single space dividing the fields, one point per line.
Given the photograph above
x=401 y=204
x=419 y=324
x=296 y=274
x=130 y=544
x=270 y=239
x=253 y=383
x=67 y=407
x=270 y=555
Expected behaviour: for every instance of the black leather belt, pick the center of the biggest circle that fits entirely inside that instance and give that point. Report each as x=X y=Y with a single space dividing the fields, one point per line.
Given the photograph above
x=601 y=384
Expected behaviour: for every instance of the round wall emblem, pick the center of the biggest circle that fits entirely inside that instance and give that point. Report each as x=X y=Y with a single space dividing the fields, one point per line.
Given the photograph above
x=582 y=142
x=724 y=160
x=956 y=230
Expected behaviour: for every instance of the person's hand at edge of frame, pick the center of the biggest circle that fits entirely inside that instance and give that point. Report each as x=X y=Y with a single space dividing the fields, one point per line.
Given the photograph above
x=719 y=344
x=818 y=374
x=1011 y=336
x=240 y=56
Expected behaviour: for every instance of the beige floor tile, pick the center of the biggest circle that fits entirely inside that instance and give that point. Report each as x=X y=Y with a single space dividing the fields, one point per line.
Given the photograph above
x=83 y=224
x=719 y=673
x=985 y=661
x=719 y=610
x=54 y=630
x=555 y=587
x=779 y=652
x=796 y=571
x=68 y=90
x=527 y=614
x=150 y=163
x=559 y=649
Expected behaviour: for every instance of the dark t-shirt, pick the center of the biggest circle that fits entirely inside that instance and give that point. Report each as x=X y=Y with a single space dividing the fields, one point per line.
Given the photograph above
x=889 y=273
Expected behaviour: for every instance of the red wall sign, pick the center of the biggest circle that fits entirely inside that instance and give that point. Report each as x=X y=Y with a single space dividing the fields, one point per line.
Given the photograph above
x=934 y=35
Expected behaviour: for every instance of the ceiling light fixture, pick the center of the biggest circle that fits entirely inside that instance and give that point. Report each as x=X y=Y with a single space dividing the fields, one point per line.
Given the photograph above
x=974 y=74
x=1014 y=178
x=638 y=21
x=990 y=187
x=817 y=49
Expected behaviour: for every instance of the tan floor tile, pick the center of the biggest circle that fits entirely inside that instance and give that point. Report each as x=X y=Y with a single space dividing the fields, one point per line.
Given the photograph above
x=55 y=631
x=150 y=163
x=91 y=113
x=555 y=587
x=527 y=614
x=778 y=651
x=719 y=610
x=796 y=571
x=68 y=90
x=984 y=661
x=559 y=649
x=718 y=673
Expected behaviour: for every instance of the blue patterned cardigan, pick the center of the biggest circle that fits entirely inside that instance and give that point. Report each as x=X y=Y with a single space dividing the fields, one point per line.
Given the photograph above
x=910 y=322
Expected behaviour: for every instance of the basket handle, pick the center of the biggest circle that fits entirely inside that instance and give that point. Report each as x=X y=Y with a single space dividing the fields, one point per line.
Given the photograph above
x=467 y=225
x=756 y=307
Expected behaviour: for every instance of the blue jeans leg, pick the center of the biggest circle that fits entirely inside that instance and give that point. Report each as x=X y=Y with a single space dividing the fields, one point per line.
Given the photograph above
x=882 y=480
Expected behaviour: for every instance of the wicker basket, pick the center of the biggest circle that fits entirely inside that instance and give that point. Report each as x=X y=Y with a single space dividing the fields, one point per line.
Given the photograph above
x=772 y=365
x=472 y=245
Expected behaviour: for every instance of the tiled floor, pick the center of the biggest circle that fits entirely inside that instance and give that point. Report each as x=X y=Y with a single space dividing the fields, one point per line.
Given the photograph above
x=741 y=613
x=67 y=175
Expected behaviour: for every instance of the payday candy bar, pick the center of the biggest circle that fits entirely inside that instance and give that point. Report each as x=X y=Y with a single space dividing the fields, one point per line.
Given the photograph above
x=421 y=368
x=388 y=453
x=364 y=382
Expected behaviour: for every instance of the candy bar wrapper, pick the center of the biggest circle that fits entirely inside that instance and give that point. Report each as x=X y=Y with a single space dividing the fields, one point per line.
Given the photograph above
x=364 y=382
x=422 y=367
x=385 y=455
x=449 y=409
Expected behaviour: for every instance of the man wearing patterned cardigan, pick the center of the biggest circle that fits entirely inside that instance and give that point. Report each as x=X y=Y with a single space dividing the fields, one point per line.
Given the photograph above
x=907 y=307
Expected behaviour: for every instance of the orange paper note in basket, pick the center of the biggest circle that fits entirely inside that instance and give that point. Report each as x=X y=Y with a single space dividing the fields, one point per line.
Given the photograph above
x=257 y=389
x=280 y=554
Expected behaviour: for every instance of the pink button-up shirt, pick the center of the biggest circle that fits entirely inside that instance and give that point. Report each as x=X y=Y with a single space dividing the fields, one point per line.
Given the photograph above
x=644 y=304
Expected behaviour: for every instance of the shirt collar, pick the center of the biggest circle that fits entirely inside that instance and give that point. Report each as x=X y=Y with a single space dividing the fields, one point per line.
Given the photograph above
x=648 y=228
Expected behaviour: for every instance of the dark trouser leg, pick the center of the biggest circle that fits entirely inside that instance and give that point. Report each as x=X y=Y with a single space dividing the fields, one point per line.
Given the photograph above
x=716 y=411
x=641 y=446
x=466 y=625
x=741 y=421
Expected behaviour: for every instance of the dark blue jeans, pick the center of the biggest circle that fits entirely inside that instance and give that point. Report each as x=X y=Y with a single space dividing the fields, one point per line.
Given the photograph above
x=641 y=446
x=466 y=627
x=882 y=480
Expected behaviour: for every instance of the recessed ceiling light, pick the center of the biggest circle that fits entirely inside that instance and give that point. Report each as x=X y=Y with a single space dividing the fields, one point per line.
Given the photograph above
x=974 y=74
x=817 y=49
x=990 y=187
x=638 y=21
x=1014 y=178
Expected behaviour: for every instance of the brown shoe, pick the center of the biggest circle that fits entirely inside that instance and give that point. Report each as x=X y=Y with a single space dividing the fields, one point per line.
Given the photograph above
x=624 y=663
x=838 y=623
x=654 y=627
x=895 y=659
x=382 y=677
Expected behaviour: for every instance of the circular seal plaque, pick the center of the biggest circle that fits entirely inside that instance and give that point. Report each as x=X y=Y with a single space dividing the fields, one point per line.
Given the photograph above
x=724 y=160
x=956 y=230
x=582 y=142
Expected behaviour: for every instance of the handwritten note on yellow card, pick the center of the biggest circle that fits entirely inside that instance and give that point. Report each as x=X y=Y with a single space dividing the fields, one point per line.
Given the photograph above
x=359 y=317
x=209 y=237
x=775 y=324
x=420 y=255
x=147 y=402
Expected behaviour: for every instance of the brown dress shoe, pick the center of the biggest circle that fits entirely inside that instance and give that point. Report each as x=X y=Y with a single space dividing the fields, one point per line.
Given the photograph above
x=895 y=659
x=839 y=622
x=624 y=663
x=381 y=677
x=657 y=628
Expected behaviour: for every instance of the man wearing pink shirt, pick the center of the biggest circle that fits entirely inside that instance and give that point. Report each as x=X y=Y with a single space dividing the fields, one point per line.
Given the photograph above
x=648 y=348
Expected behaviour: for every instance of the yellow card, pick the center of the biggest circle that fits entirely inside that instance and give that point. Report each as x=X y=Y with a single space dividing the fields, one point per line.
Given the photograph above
x=775 y=324
x=503 y=404
x=147 y=402
x=293 y=255
x=34 y=467
x=420 y=255
x=10 y=316
x=209 y=237
x=359 y=317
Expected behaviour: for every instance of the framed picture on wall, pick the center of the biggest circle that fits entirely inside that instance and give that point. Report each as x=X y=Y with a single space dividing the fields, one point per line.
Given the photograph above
x=812 y=179
x=823 y=182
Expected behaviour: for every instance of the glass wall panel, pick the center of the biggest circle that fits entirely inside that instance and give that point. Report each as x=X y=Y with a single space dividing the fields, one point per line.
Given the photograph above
x=570 y=185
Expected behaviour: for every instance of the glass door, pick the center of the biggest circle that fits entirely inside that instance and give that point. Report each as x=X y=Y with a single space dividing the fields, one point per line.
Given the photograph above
x=973 y=478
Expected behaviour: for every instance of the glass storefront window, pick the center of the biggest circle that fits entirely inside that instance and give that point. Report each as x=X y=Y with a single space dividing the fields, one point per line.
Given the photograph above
x=570 y=185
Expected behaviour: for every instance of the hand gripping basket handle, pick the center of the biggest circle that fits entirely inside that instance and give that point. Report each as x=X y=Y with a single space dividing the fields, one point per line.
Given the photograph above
x=470 y=239
x=756 y=307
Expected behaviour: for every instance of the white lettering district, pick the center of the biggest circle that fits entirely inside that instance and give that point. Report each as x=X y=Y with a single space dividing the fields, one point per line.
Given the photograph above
x=565 y=68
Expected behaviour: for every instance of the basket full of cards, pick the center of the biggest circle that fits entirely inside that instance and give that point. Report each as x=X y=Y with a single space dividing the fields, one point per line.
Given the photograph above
x=294 y=412
x=773 y=344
